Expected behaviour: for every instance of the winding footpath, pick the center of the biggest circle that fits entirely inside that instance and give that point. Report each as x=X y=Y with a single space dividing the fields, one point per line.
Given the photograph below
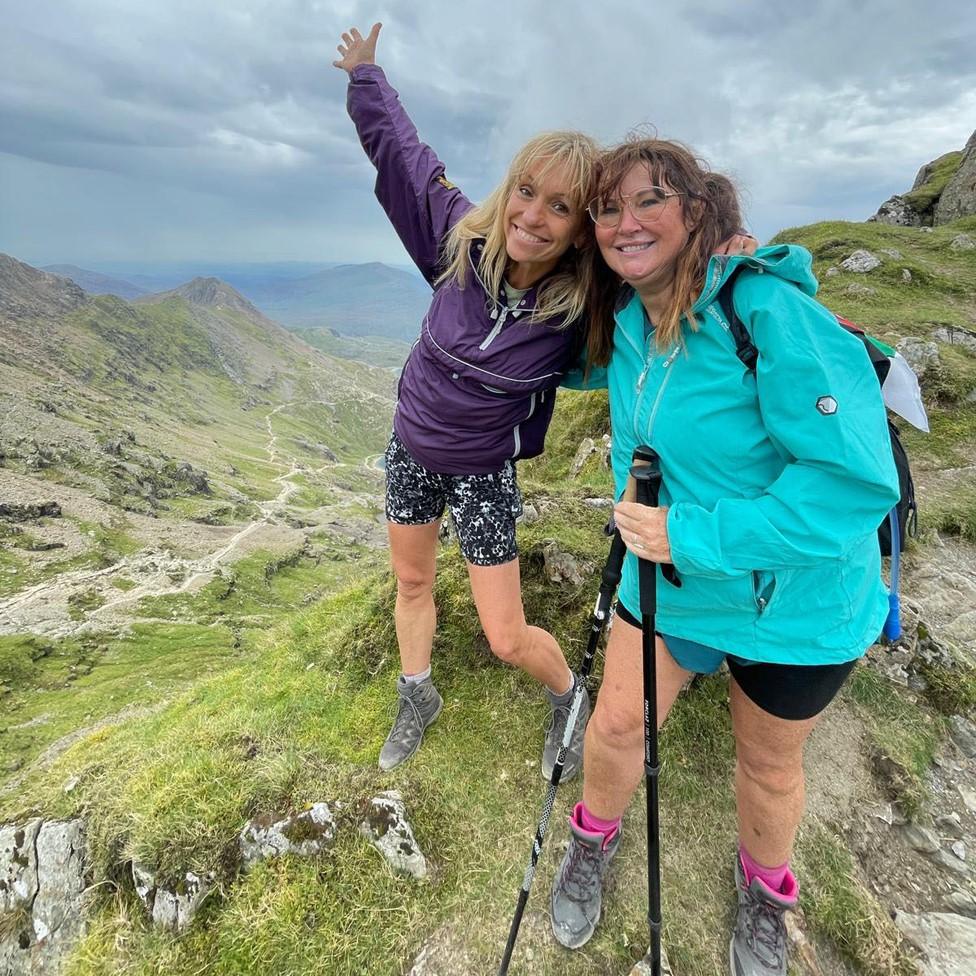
x=45 y=608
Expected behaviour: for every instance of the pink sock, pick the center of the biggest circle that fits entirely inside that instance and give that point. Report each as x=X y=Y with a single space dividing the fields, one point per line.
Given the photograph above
x=779 y=879
x=595 y=825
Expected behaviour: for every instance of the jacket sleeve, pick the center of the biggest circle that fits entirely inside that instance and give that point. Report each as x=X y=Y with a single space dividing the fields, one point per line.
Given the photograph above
x=410 y=183
x=577 y=377
x=839 y=480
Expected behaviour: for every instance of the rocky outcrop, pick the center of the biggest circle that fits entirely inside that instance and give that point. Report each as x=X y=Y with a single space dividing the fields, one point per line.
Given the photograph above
x=386 y=827
x=899 y=212
x=42 y=895
x=944 y=190
x=947 y=942
x=860 y=262
x=29 y=512
x=304 y=834
x=170 y=908
x=958 y=199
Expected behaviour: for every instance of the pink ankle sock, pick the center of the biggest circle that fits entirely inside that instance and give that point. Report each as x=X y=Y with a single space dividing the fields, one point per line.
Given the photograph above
x=594 y=825
x=773 y=878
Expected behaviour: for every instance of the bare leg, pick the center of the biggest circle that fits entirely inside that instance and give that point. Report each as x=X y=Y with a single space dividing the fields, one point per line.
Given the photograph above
x=769 y=785
x=613 y=756
x=413 y=553
x=497 y=592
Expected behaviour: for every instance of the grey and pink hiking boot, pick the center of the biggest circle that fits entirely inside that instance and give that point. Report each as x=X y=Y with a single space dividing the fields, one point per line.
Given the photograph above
x=758 y=945
x=577 y=890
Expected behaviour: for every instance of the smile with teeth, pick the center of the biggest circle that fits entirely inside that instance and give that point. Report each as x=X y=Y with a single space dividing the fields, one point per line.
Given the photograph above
x=527 y=237
x=633 y=248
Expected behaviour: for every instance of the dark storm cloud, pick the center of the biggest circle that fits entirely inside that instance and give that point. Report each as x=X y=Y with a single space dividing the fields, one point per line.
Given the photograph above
x=221 y=129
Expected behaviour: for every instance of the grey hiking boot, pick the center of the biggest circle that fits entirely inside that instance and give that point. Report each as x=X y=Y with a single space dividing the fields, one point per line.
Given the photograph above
x=556 y=729
x=577 y=890
x=420 y=704
x=758 y=945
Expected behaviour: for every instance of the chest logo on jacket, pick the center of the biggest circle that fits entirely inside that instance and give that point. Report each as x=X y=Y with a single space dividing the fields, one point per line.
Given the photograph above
x=827 y=405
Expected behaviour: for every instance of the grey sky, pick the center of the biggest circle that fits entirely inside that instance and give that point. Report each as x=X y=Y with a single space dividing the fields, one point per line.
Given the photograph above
x=173 y=130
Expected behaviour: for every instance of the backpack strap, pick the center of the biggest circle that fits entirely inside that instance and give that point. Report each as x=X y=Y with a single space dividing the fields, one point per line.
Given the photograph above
x=745 y=348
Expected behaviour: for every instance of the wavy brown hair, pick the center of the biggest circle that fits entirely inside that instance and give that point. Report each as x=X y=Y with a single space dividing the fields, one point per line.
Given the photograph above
x=712 y=214
x=564 y=293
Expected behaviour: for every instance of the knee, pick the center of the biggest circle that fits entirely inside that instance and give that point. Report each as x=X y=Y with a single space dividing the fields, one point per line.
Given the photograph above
x=507 y=643
x=776 y=775
x=617 y=728
x=413 y=587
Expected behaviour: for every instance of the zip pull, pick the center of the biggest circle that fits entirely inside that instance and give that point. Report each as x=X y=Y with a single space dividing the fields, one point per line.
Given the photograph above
x=642 y=377
x=494 y=312
x=496 y=328
x=672 y=356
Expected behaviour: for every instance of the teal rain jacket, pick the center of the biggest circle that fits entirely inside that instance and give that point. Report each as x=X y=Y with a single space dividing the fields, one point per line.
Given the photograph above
x=776 y=480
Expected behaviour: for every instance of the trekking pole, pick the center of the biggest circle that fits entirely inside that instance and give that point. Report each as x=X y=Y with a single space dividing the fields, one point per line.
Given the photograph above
x=646 y=473
x=608 y=585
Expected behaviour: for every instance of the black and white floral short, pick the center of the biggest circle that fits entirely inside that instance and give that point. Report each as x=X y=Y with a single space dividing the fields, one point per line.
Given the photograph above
x=484 y=506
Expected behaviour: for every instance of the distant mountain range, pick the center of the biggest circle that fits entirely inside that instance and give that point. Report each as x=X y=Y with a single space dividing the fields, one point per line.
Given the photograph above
x=95 y=283
x=351 y=299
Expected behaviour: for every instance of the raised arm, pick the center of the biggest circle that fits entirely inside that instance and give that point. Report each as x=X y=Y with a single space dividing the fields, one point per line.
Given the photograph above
x=410 y=184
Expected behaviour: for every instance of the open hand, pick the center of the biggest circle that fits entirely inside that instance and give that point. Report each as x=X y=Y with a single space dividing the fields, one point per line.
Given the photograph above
x=356 y=49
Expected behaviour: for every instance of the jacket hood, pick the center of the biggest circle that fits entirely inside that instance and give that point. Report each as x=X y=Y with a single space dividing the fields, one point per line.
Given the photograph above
x=787 y=261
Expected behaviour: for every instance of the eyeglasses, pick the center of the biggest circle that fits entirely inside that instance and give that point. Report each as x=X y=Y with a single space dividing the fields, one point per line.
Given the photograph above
x=645 y=205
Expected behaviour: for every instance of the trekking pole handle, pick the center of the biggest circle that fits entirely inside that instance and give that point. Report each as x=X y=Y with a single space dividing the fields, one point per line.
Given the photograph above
x=644 y=486
x=645 y=467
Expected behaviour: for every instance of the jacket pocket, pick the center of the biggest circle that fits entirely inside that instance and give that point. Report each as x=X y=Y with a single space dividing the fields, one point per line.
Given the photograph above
x=763 y=589
x=701 y=596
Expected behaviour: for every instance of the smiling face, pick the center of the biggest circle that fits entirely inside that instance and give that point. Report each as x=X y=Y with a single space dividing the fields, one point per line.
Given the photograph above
x=542 y=221
x=644 y=254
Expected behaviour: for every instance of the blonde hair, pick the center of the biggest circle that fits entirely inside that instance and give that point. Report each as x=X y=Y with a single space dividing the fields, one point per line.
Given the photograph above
x=711 y=211
x=563 y=293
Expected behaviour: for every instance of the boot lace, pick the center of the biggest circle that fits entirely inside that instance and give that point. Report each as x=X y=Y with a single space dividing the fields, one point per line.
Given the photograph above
x=408 y=720
x=583 y=873
x=766 y=930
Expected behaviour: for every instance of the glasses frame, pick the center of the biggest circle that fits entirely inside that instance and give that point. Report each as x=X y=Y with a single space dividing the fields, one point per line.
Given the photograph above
x=625 y=198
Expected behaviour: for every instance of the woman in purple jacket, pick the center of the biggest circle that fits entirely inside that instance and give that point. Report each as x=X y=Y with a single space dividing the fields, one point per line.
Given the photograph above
x=477 y=391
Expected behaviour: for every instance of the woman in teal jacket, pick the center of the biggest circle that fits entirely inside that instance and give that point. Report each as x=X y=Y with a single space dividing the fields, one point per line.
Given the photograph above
x=774 y=483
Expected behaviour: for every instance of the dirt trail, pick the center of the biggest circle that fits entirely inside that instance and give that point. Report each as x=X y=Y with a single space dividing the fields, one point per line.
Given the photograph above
x=46 y=608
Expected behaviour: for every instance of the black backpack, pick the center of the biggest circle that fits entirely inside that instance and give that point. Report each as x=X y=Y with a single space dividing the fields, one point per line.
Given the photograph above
x=745 y=349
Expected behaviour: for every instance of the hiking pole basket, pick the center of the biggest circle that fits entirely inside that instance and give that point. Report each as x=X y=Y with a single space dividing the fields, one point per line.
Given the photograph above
x=608 y=586
x=646 y=473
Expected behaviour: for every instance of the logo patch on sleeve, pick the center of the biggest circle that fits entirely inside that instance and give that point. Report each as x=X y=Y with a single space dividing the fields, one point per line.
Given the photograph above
x=445 y=182
x=827 y=405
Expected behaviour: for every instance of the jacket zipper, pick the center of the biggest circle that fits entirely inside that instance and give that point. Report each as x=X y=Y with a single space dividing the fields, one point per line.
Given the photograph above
x=672 y=355
x=490 y=338
x=515 y=429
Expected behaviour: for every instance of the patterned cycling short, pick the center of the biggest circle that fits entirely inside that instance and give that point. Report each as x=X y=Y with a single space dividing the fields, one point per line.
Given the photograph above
x=484 y=506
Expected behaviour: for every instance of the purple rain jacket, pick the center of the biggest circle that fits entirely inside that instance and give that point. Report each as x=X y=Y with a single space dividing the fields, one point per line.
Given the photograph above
x=480 y=383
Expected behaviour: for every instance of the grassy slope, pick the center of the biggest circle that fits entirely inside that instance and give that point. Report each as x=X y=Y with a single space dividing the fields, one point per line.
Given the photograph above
x=313 y=694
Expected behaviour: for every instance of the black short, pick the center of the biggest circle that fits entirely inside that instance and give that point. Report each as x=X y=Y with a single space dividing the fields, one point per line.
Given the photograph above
x=788 y=691
x=484 y=506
